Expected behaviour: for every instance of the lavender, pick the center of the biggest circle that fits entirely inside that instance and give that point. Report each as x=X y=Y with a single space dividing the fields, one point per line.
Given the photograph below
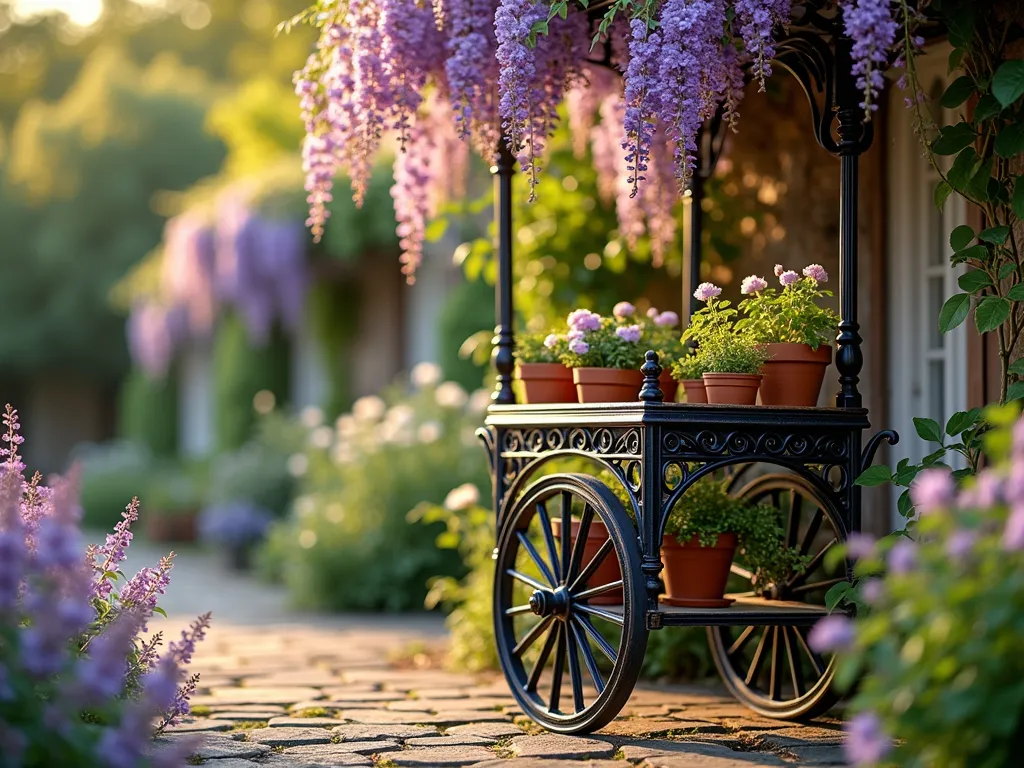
x=866 y=742
x=833 y=633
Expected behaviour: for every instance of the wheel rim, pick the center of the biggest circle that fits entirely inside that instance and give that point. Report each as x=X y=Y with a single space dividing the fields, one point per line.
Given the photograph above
x=570 y=663
x=773 y=669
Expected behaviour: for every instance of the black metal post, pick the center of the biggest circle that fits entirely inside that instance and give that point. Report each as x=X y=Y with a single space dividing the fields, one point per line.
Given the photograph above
x=504 y=341
x=852 y=134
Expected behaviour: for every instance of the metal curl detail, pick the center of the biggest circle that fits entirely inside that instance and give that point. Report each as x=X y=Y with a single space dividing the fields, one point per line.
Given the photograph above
x=867 y=456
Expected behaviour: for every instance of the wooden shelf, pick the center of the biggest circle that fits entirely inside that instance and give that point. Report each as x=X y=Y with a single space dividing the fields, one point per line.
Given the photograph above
x=746 y=611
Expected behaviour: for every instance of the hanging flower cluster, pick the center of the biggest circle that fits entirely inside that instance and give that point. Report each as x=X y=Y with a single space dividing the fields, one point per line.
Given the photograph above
x=254 y=264
x=641 y=82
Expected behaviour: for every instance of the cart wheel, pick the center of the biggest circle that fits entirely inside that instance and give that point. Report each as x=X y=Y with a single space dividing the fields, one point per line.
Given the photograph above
x=772 y=670
x=570 y=658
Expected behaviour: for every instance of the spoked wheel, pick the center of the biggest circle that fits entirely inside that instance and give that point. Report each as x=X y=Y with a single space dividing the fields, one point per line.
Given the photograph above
x=569 y=610
x=772 y=670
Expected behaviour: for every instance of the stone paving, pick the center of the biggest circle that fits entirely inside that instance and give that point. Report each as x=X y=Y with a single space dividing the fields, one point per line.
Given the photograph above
x=297 y=691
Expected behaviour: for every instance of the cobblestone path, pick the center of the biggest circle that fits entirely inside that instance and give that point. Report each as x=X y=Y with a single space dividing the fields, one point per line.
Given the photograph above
x=303 y=696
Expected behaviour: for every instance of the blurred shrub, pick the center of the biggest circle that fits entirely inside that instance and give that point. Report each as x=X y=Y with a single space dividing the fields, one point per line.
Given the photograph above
x=348 y=544
x=112 y=473
x=148 y=412
x=240 y=370
x=468 y=310
x=175 y=488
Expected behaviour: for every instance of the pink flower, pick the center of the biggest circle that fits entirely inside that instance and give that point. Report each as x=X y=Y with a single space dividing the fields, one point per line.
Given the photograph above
x=960 y=543
x=1013 y=534
x=867 y=743
x=816 y=272
x=579 y=347
x=789 y=277
x=933 y=489
x=860 y=545
x=630 y=333
x=652 y=312
x=753 y=284
x=872 y=591
x=779 y=270
x=706 y=292
x=902 y=557
x=584 y=320
x=552 y=340
x=667 y=320
x=833 y=633
x=1018 y=438
x=623 y=309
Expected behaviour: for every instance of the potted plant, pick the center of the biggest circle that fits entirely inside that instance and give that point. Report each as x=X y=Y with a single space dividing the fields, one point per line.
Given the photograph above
x=539 y=367
x=796 y=330
x=662 y=336
x=689 y=371
x=171 y=505
x=702 y=535
x=236 y=527
x=605 y=355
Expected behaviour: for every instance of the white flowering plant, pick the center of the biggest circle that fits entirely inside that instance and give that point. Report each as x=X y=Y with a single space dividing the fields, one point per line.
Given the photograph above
x=792 y=314
x=594 y=341
x=938 y=640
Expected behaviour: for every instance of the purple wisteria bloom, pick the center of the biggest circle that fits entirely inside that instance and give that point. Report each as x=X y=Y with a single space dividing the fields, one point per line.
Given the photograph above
x=706 y=292
x=756 y=19
x=641 y=99
x=833 y=633
x=871 y=25
x=752 y=284
x=816 y=272
x=866 y=742
x=902 y=557
x=932 y=490
x=629 y=333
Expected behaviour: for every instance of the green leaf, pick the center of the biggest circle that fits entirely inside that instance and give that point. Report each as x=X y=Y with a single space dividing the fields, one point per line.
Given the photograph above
x=988 y=107
x=942 y=193
x=954 y=311
x=904 y=505
x=1010 y=140
x=109 y=576
x=906 y=476
x=962 y=420
x=928 y=429
x=955 y=58
x=974 y=253
x=953 y=138
x=978 y=187
x=1016 y=292
x=1006 y=270
x=1008 y=83
x=1017 y=367
x=990 y=313
x=974 y=280
x=1015 y=391
x=994 y=235
x=436 y=229
x=963 y=168
x=959 y=18
x=836 y=594
x=1018 y=198
x=161 y=611
x=959 y=91
x=933 y=457
x=872 y=476
x=961 y=237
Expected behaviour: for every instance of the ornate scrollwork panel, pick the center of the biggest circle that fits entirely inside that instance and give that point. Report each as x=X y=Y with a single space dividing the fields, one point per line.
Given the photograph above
x=805 y=446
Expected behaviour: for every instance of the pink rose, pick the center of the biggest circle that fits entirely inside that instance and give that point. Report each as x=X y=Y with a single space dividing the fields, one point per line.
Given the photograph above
x=707 y=291
x=753 y=284
x=789 y=277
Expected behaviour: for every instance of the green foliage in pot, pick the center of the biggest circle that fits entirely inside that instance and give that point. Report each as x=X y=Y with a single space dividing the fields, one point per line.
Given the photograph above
x=541 y=347
x=707 y=511
x=603 y=342
x=689 y=367
x=791 y=315
x=731 y=352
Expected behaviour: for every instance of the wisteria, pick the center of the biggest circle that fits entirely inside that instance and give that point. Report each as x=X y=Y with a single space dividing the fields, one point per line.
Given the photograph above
x=496 y=70
x=71 y=646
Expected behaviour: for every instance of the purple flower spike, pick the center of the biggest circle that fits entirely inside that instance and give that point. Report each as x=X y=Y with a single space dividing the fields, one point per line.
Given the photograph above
x=753 y=284
x=902 y=557
x=866 y=741
x=788 y=278
x=932 y=490
x=833 y=633
x=816 y=272
x=706 y=292
x=623 y=309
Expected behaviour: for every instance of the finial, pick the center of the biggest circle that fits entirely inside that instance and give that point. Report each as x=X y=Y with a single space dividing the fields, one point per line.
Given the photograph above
x=651 y=390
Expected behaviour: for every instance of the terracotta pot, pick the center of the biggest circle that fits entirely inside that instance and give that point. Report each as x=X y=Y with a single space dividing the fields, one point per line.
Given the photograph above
x=607 y=572
x=607 y=385
x=732 y=388
x=669 y=386
x=546 y=383
x=694 y=389
x=794 y=373
x=695 y=576
x=177 y=527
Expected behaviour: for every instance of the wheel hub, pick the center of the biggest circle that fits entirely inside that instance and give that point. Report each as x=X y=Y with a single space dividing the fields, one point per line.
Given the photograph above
x=545 y=602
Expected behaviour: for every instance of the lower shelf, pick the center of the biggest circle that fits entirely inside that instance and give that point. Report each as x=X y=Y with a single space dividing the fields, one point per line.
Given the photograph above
x=746 y=611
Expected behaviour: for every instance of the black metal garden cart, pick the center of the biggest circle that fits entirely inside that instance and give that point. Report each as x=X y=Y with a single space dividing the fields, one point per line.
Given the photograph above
x=571 y=660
